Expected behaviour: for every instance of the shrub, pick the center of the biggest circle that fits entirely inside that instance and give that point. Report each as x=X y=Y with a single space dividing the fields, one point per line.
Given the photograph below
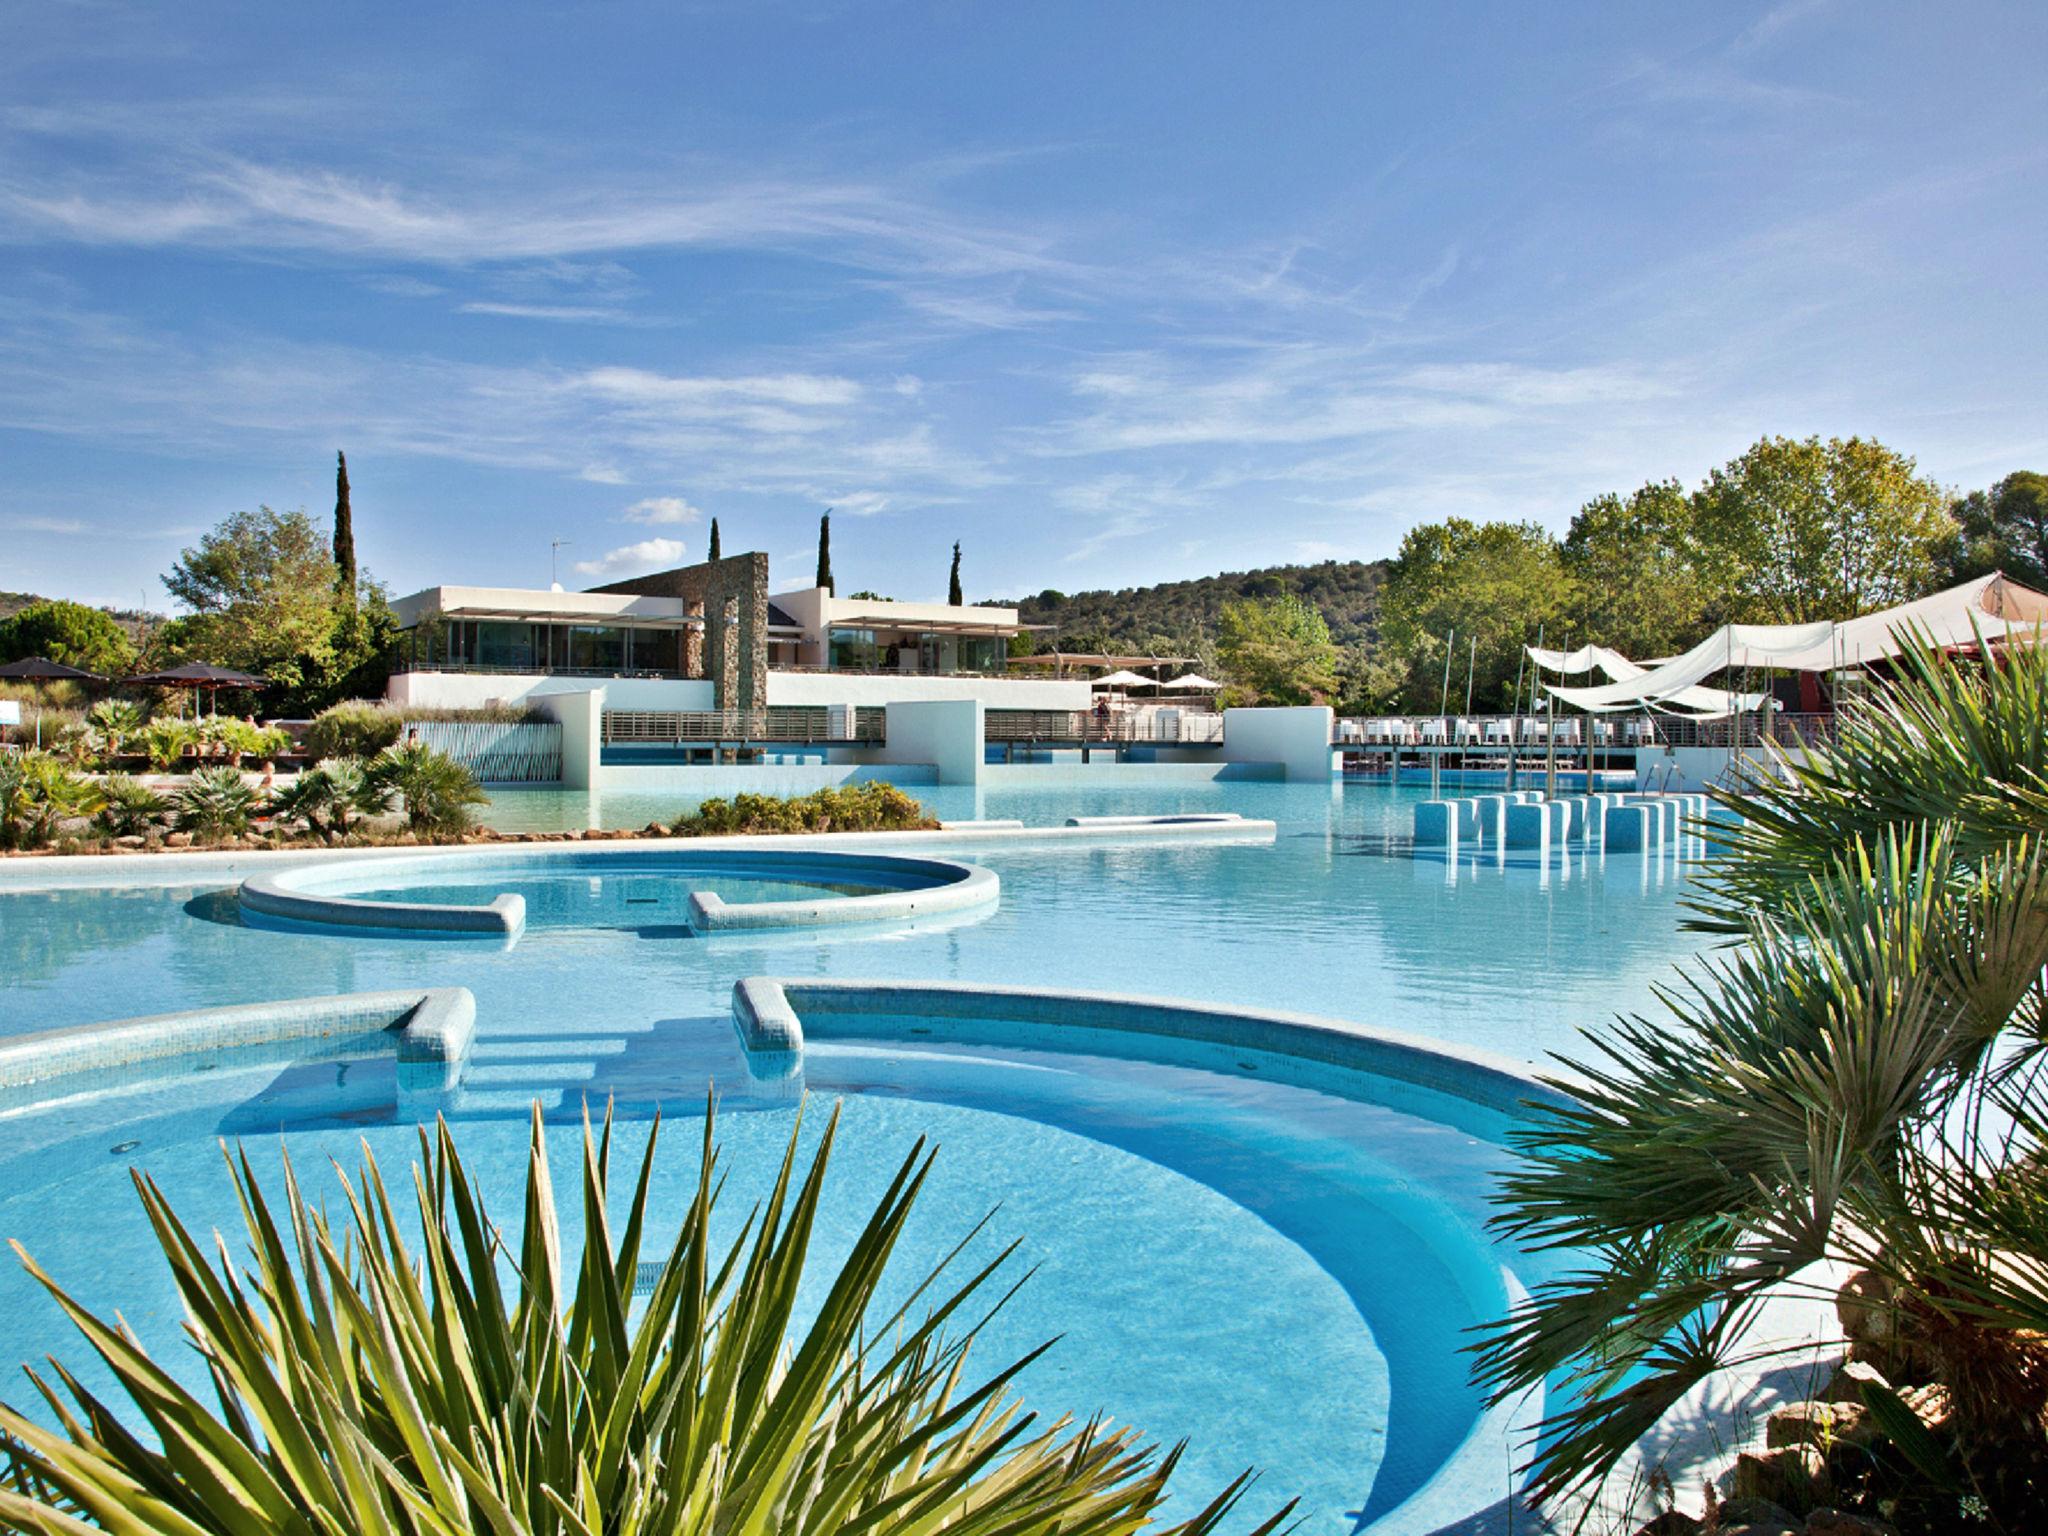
x=324 y=799
x=129 y=808
x=242 y=738
x=363 y=1387
x=165 y=739
x=352 y=729
x=873 y=807
x=217 y=802
x=440 y=794
x=37 y=795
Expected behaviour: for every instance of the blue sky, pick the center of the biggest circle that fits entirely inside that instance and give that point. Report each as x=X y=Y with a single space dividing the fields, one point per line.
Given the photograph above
x=1110 y=292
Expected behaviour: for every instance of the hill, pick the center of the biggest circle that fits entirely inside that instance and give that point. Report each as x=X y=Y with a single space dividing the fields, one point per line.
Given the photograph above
x=1181 y=615
x=135 y=620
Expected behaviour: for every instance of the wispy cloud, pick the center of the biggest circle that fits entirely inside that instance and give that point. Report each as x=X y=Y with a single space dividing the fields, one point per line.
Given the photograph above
x=575 y=314
x=49 y=525
x=630 y=559
x=661 y=511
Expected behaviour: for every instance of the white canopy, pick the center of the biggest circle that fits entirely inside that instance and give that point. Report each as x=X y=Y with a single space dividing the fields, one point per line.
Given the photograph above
x=1707 y=703
x=1987 y=608
x=1122 y=679
x=1193 y=680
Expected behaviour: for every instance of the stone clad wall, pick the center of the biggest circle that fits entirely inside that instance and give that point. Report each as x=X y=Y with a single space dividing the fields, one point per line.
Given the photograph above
x=731 y=595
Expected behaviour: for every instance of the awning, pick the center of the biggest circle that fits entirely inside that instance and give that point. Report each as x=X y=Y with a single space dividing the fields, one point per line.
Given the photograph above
x=1987 y=608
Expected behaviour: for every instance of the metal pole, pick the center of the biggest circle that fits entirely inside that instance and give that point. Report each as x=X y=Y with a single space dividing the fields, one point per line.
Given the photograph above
x=1515 y=725
x=1471 y=664
x=1443 y=702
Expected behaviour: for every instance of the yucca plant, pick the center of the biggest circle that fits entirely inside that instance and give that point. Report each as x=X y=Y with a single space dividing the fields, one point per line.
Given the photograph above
x=38 y=795
x=165 y=739
x=128 y=807
x=116 y=724
x=217 y=802
x=440 y=795
x=474 y=1386
x=328 y=798
x=1856 y=1080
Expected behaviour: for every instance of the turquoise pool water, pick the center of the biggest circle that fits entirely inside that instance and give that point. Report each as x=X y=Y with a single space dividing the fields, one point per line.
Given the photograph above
x=1275 y=1271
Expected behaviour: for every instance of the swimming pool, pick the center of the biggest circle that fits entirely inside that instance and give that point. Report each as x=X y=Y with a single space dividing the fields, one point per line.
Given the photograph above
x=1245 y=1227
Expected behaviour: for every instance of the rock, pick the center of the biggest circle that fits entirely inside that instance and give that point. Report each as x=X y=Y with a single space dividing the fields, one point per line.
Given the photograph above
x=1817 y=1423
x=656 y=829
x=1864 y=1305
x=178 y=840
x=1931 y=1402
x=1673 y=1522
x=1839 y=1522
x=1850 y=1380
x=133 y=840
x=1748 y=1515
x=1792 y=1473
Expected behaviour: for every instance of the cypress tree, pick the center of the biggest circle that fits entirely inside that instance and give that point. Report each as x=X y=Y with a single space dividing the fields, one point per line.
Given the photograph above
x=344 y=535
x=825 y=551
x=953 y=581
x=711 y=550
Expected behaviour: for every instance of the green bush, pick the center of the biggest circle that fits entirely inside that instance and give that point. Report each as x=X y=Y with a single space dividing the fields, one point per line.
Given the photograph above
x=165 y=739
x=217 y=802
x=243 y=738
x=440 y=794
x=873 y=807
x=116 y=725
x=545 y=1392
x=352 y=729
x=38 y=794
x=128 y=807
x=326 y=798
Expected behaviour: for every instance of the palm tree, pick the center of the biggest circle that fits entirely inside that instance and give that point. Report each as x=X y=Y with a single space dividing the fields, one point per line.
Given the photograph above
x=364 y=1388
x=1856 y=1080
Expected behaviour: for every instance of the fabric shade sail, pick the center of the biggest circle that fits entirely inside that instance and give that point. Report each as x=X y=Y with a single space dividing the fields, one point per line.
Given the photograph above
x=1987 y=608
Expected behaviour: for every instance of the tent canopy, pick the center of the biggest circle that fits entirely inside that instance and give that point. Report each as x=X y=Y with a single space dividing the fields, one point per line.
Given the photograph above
x=1988 y=608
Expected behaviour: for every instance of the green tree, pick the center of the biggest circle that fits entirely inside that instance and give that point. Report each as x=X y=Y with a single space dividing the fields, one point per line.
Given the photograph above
x=261 y=590
x=2004 y=529
x=1485 y=588
x=1809 y=530
x=825 y=552
x=68 y=632
x=711 y=549
x=1278 y=650
x=953 y=581
x=344 y=535
x=1640 y=583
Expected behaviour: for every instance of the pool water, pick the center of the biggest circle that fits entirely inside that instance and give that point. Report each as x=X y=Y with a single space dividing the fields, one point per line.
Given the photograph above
x=1278 y=1270
x=580 y=898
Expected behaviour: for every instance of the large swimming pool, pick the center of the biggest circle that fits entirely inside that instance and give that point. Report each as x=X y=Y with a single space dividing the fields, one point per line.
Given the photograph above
x=1276 y=1266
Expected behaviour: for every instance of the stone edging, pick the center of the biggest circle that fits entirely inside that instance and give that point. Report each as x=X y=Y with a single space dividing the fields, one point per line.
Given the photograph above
x=767 y=1012
x=431 y=1028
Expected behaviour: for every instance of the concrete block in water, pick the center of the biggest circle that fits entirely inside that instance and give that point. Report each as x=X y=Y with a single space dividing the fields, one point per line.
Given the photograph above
x=1436 y=824
x=1493 y=810
x=1628 y=828
x=1535 y=826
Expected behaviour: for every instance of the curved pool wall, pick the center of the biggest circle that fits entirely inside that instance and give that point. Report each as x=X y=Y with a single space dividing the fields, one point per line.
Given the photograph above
x=429 y=1030
x=908 y=889
x=1445 y=1451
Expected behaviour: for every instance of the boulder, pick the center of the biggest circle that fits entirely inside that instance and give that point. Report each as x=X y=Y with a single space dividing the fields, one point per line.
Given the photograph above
x=178 y=840
x=133 y=840
x=1792 y=1474
x=1673 y=1522
x=655 y=829
x=1931 y=1402
x=1839 y=1522
x=1750 y=1515
x=1818 y=1423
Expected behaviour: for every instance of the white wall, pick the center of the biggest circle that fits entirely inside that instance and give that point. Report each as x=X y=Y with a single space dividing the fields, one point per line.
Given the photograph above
x=869 y=689
x=946 y=733
x=473 y=690
x=582 y=717
x=1297 y=739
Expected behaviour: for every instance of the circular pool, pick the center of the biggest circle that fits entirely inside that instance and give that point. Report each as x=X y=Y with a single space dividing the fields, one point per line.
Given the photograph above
x=495 y=893
x=1245 y=1232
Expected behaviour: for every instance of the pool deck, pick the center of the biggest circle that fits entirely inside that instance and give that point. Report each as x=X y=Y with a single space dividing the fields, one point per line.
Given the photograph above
x=59 y=871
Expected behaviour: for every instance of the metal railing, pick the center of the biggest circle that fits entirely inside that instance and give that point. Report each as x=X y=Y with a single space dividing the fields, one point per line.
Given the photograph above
x=782 y=723
x=1482 y=733
x=1080 y=725
x=401 y=663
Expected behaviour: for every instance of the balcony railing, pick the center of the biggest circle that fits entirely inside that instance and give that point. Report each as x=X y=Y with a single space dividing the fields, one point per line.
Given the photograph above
x=400 y=663
x=784 y=724
x=1080 y=725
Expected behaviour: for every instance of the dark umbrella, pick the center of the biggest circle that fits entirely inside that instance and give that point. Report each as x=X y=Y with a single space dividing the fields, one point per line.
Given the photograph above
x=197 y=675
x=40 y=669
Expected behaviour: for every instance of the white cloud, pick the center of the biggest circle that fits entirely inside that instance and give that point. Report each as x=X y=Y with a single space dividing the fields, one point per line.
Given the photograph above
x=859 y=503
x=57 y=525
x=583 y=314
x=602 y=474
x=631 y=559
x=660 y=511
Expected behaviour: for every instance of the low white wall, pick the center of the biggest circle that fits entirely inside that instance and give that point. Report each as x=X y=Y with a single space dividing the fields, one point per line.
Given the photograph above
x=946 y=733
x=474 y=690
x=582 y=717
x=868 y=690
x=1692 y=770
x=1298 y=739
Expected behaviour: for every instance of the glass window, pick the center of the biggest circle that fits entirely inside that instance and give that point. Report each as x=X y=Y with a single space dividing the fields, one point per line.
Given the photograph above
x=596 y=648
x=981 y=653
x=855 y=649
x=505 y=646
